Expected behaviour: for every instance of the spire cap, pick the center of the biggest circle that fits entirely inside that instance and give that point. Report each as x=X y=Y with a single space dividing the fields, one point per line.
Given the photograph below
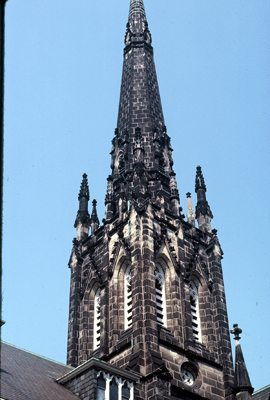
x=199 y=182
x=136 y=6
x=84 y=190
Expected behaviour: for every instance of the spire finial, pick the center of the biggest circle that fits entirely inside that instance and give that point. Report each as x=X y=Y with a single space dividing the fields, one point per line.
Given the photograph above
x=236 y=332
x=136 y=6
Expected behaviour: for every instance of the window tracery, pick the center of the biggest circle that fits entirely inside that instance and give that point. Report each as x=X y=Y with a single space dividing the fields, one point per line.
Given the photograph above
x=110 y=387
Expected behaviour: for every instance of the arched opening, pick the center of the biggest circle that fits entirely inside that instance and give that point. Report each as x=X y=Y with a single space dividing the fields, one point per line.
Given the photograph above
x=97 y=319
x=195 y=315
x=113 y=390
x=160 y=296
x=101 y=388
x=128 y=298
x=125 y=392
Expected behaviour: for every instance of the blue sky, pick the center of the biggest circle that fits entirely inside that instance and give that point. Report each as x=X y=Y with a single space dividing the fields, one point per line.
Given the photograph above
x=62 y=85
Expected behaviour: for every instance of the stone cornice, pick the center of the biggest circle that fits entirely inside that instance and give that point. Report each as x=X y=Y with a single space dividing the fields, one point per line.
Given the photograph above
x=101 y=365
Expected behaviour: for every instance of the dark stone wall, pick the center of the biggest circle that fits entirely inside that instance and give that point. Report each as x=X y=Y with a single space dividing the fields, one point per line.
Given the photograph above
x=84 y=385
x=185 y=254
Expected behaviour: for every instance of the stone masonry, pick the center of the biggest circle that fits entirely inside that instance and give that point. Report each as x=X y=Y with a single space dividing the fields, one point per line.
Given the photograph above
x=144 y=227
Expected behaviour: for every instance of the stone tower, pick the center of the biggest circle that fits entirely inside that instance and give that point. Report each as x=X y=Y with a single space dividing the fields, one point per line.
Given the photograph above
x=147 y=293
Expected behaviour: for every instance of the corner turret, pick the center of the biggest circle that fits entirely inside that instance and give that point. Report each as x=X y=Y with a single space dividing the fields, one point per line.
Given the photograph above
x=203 y=212
x=82 y=221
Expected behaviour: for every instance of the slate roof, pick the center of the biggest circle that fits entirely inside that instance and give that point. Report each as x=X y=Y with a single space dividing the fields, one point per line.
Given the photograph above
x=262 y=394
x=28 y=376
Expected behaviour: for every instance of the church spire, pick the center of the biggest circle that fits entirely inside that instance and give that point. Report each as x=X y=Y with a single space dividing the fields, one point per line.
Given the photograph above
x=141 y=147
x=143 y=282
x=140 y=104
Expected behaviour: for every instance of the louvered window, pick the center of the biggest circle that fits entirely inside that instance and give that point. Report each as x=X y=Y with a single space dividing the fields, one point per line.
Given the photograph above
x=195 y=316
x=128 y=298
x=97 y=320
x=160 y=296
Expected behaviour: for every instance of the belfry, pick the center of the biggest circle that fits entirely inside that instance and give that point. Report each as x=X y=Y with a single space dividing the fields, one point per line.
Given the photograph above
x=147 y=312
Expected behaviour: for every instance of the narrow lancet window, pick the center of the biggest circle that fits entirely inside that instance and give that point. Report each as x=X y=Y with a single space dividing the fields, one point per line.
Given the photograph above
x=97 y=320
x=160 y=296
x=128 y=298
x=125 y=392
x=101 y=388
x=113 y=390
x=195 y=316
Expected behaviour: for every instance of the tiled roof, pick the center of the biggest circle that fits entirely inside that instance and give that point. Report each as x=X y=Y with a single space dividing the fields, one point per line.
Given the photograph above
x=27 y=376
x=262 y=394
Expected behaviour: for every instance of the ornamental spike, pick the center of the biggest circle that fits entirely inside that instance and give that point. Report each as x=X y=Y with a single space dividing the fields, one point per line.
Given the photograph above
x=190 y=210
x=94 y=217
x=84 y=190
x=203 y=211
x=242 y=385
x=83 y=218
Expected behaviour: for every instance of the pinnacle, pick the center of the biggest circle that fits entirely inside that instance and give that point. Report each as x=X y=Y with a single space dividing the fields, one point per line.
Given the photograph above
x=94 y=217
x=199 y=183
x=242 y=381
x=202 y=208
x=84 y=190
x=190 y=210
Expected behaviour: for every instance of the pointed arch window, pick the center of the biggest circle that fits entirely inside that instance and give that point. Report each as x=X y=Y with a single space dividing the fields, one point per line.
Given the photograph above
x=101 y=387
x=113 y=390
x=128 y=298
x=110 y=387
x=160 y=296
x=125 y=392
x=97 y=320
x=195 y=316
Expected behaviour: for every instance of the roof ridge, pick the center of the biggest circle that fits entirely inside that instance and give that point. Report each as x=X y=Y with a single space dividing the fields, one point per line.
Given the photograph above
x=35 y=354
x=261 y=389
